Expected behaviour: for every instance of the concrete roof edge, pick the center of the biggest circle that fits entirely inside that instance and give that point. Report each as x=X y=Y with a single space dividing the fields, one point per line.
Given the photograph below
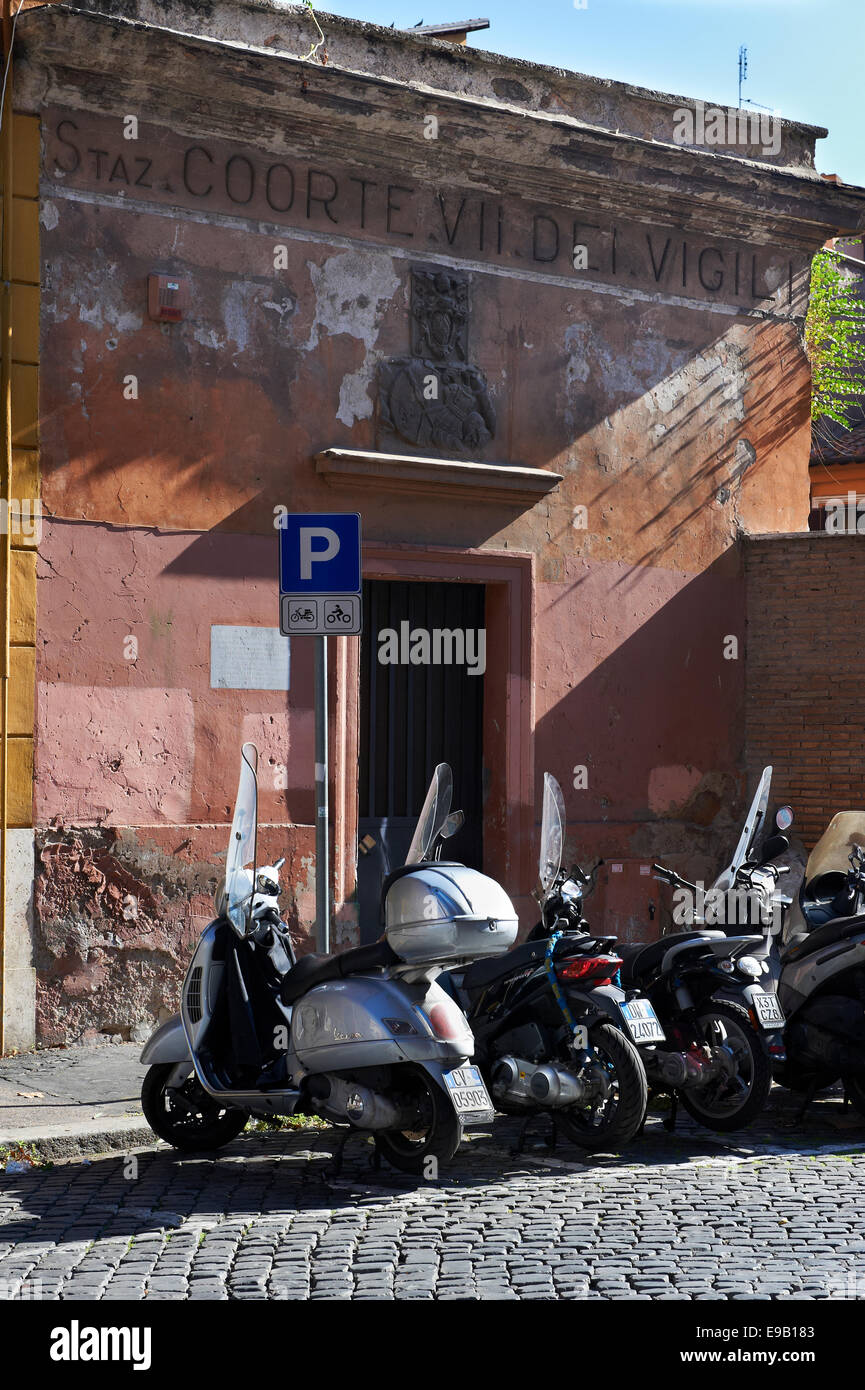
x=449 y=51
x=724 y=159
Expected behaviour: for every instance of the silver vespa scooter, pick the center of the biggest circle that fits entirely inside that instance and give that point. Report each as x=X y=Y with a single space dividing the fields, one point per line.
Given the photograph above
x=366 y=1038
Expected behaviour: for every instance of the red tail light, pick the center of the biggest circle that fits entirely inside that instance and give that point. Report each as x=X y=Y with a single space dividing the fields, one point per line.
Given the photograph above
x=447 y=1021
x=599 y=969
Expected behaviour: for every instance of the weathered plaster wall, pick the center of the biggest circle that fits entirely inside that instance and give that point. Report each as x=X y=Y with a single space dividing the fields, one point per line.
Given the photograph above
x=118 y=912
x=144 y=739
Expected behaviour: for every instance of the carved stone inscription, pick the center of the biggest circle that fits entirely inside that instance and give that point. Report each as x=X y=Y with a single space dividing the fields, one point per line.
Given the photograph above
x=88 y=152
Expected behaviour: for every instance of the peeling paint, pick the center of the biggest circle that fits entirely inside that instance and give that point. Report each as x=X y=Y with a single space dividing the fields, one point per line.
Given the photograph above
x=670 y=787
x=49 y=215
x=355 y=402
x=98 y=301
x=350 y=292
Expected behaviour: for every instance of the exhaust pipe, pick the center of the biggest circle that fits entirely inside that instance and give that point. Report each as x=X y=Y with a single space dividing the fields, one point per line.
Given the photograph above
x=526 y=1084
x=362 y=1107
x=553 y=1087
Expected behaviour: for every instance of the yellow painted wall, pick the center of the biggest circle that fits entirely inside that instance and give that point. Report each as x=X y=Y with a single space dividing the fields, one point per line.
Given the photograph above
x=25 y=462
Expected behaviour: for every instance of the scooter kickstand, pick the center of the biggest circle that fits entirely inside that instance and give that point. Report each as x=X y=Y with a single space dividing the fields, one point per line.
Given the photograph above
x=803 y=1109
x=521 y=1142
x=670 y=1121
x=338 y=1154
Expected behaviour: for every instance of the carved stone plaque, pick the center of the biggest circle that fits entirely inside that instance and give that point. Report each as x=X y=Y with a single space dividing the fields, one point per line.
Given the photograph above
x=435 y=399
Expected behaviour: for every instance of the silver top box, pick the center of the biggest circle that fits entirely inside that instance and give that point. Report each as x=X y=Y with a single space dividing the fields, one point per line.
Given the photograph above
x=447 y=913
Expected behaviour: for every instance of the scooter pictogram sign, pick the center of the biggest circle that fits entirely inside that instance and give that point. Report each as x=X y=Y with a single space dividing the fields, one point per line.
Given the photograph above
x=326 y=615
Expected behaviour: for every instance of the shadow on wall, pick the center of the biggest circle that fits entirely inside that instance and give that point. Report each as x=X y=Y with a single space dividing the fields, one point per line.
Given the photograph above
x=658 y=726
x=722 y=374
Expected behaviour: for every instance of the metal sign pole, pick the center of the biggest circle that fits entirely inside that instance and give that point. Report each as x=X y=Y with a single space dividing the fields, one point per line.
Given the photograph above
x=322 y=868
x=320 y=592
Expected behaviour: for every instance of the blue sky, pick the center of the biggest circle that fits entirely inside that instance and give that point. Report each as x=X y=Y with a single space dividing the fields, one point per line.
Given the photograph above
x=806 y=58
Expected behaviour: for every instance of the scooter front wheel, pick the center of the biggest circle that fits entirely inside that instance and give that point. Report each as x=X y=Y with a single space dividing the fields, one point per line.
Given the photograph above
x=438 y=1131
x=185 y=1115
x=618 y=1103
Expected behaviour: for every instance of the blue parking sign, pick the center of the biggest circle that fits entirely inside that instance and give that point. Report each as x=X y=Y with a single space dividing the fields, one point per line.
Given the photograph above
x=319 y=553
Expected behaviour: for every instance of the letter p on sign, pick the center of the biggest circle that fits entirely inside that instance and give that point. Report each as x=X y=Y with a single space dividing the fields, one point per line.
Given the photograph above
x=310 y=554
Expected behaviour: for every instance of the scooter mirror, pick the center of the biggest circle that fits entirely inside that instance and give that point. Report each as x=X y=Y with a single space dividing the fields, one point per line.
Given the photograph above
x=455 y=821
x=775 y=845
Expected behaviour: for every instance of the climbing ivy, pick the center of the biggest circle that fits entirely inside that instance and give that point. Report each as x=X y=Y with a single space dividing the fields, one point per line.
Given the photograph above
x=835 y=340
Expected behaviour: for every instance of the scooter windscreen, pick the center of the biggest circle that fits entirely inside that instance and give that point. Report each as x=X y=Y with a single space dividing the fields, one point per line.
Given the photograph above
x=552 y=834
x=754 y=823
x=436 y=809
x=242 y=844
x=829 y=861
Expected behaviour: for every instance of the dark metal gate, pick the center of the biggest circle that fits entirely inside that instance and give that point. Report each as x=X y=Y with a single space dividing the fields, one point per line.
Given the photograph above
x=412 y=717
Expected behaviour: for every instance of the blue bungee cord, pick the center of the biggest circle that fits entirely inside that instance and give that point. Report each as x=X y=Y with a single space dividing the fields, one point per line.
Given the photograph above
x=554 y=983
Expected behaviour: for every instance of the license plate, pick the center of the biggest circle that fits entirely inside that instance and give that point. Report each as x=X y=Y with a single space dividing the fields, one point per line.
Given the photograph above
x=768 y=1010
x=643 y=1023
x=469 y=1095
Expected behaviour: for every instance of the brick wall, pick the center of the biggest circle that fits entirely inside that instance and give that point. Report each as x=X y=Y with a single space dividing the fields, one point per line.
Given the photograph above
x=805 y=672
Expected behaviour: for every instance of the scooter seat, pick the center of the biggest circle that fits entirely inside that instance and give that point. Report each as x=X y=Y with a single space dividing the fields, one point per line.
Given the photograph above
x=482 y=973
x=642 y=959
x=316 y=970
x=823 y=936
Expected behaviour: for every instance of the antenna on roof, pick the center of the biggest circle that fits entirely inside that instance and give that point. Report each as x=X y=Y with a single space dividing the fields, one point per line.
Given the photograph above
x=743 y=68
x=743 y=77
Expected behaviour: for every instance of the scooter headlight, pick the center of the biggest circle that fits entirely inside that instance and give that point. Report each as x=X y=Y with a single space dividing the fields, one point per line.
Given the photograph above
x=750 y=965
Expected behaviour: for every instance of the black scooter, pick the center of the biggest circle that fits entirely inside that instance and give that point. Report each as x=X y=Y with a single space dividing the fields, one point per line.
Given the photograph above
x=712 y=986
x=553 y=1033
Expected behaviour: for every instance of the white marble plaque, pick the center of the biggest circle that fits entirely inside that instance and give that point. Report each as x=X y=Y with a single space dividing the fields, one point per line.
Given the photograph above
x=248 y=658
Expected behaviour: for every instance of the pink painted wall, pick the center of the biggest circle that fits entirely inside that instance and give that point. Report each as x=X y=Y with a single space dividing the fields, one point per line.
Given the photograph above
x=147 y=741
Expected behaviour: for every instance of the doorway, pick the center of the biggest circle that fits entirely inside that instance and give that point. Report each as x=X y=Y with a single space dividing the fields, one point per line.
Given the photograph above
x=413 y=716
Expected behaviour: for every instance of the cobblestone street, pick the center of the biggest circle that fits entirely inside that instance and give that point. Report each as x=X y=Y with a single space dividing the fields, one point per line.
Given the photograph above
x=682 y=1216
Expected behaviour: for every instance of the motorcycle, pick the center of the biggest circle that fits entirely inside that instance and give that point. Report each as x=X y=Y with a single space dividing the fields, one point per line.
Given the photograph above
x=817 y=959
x=552 y=1032
x=366 y=1038
x=338 y=615
x=712 y=989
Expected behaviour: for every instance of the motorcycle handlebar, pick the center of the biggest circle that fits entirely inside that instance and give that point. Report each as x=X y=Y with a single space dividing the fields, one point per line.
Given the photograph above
x=586 y=876
x=670 y=876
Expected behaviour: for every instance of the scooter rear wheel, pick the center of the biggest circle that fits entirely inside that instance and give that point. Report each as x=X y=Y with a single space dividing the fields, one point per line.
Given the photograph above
x=728 y=1025
x=439 y=1133
x=186 y=1116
